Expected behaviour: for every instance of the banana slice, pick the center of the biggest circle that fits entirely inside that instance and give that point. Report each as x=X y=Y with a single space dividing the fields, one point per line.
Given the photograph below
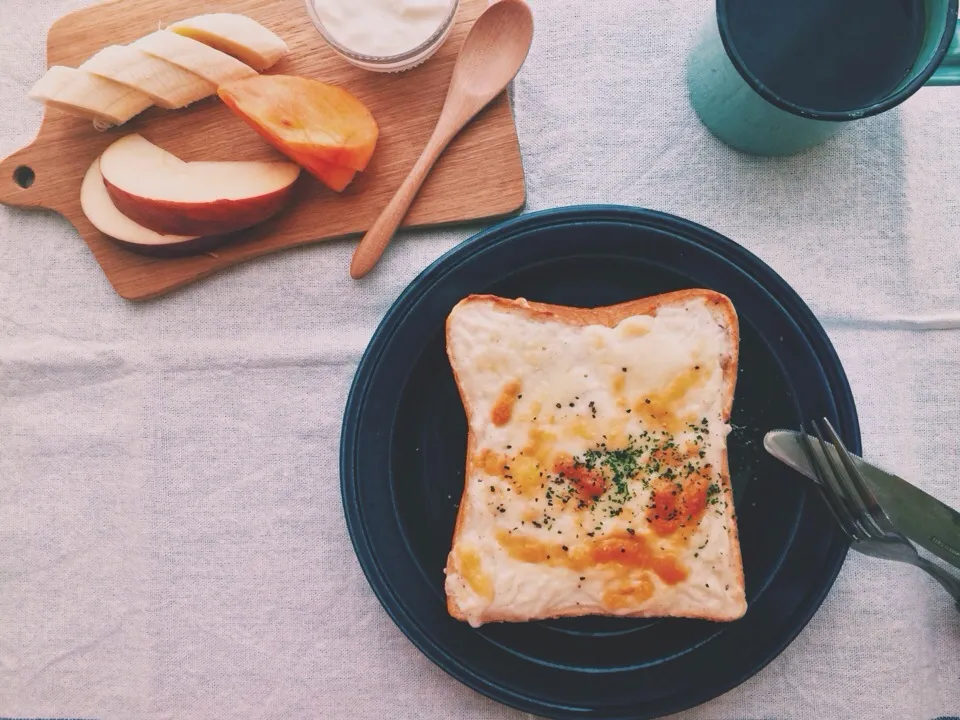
x=237 y=35
x=79 y=93
x=210 y=64
x=170 y=87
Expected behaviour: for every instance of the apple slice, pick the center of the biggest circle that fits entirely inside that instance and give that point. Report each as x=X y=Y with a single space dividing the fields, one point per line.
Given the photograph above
x=104 y=216
x=167 y=195
x=305 y=118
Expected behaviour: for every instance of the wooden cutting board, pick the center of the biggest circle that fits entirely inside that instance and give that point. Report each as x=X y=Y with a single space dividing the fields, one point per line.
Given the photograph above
x=480 y=176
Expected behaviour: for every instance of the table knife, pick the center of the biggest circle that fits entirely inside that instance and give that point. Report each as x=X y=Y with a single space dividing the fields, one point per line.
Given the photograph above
x=918 y=515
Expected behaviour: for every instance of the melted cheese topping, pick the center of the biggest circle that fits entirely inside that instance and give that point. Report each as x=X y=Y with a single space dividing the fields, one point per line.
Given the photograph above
x=593 y=484
x=503 y=407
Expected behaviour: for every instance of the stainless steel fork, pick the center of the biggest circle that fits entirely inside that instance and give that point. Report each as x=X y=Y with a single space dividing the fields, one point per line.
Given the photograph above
x=858 y=513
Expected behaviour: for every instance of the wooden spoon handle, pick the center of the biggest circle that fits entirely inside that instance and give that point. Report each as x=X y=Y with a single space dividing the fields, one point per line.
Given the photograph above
x=378 y=237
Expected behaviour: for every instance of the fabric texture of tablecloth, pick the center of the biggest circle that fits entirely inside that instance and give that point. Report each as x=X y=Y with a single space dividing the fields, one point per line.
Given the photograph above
x=171 y=537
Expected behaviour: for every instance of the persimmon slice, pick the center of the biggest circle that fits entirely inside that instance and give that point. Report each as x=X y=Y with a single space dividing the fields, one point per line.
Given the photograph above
x=322 y=127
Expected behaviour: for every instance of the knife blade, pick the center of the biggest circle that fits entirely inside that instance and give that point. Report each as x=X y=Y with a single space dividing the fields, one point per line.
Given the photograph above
x=918 y=515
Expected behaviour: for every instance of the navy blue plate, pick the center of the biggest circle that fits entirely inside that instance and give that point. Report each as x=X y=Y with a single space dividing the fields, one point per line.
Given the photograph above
x=404 y=444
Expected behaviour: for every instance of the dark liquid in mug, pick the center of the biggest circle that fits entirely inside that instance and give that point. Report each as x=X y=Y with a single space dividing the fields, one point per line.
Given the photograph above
x=827 y=55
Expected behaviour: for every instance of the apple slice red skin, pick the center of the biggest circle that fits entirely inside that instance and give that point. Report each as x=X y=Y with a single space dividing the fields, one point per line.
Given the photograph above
x=215 y=218
x=184 y=248
x=94 y=196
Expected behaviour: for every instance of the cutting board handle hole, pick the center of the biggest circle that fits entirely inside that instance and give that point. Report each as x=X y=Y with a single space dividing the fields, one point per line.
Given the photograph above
x=24 y=176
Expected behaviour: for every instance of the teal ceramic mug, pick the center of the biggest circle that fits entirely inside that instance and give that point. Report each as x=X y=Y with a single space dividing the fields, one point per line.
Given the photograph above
x=774 y=77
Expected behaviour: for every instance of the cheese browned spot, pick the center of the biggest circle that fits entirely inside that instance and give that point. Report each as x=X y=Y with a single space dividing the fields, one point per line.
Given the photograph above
x=540 y=445
x=678 y=505
x=633 y=328
x=660 y=408
x=521 y=472
x=619 y=382
x=503 y=407
x=590 y=484
x=471 y=569
x=618 y=555
x=638 y=552
x=629 y=593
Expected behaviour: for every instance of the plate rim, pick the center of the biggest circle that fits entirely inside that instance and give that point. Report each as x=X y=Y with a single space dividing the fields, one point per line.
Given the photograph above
x=419 y=287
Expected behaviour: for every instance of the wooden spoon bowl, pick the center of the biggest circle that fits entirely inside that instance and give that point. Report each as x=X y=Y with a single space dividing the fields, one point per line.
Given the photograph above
x=490 y=58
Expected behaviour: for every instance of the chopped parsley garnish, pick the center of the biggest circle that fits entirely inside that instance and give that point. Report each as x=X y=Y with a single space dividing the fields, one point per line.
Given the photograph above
x=603 y=479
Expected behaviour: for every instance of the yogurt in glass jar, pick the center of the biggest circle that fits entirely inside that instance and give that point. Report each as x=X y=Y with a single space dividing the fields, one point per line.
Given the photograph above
x=384 y=35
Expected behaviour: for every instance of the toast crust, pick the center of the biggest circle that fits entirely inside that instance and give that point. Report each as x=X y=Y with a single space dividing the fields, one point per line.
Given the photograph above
x=610 y=316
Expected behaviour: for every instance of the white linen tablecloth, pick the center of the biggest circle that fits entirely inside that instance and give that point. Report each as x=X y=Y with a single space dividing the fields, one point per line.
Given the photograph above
x=171 y=538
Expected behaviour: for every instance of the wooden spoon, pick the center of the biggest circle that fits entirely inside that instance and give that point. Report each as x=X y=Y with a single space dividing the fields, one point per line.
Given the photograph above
x=491 y=56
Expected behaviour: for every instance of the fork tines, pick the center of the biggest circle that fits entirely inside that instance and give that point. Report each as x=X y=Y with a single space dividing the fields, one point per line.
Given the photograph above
x=842 y=485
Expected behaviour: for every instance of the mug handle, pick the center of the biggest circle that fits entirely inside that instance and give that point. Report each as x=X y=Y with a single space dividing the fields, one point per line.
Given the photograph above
x=949 y=71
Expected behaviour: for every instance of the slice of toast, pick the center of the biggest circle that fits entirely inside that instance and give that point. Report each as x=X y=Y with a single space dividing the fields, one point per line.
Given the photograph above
x=597 y=480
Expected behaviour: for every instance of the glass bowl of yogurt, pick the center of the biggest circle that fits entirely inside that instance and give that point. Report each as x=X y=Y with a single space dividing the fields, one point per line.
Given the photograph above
x=384 y=35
